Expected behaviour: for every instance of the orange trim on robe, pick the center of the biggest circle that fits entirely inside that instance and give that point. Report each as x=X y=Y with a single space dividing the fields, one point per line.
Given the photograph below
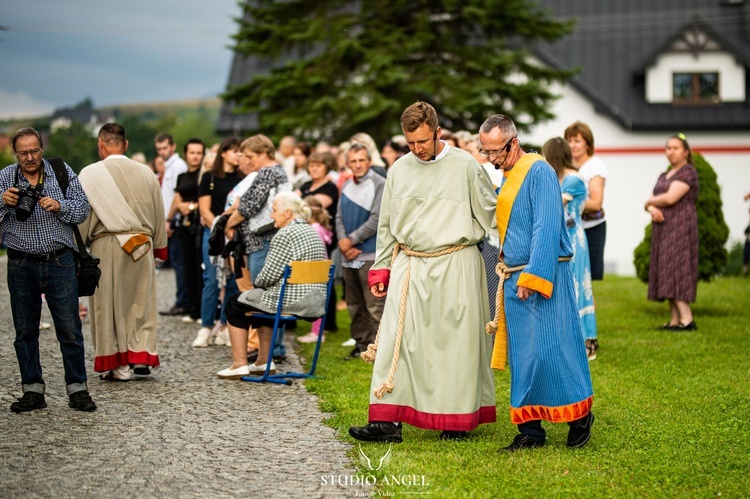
x=542 y=286
x=561 y=414
x=134 y=242
x=509 y=191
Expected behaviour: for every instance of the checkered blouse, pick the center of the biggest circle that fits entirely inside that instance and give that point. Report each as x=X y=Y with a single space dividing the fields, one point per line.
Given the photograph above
x=298 y=241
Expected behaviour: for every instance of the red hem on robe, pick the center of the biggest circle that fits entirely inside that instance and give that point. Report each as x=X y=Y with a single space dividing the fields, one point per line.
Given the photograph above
x=560 y=414
x=109 y=362
x=427 y=421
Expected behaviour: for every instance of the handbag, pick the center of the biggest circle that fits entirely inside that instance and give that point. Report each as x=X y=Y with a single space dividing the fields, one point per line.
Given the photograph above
x=87 y=267
x=216 y=239
x=261 y=222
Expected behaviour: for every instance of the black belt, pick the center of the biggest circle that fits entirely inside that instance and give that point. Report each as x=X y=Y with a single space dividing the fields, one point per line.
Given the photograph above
x=20 y=255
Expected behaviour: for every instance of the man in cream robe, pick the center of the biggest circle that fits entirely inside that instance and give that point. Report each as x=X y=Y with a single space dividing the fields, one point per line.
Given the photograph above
x=438 y=203
x=126 y=230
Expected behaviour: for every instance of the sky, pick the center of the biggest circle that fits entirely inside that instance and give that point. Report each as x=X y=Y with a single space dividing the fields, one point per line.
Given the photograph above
x=56 y=53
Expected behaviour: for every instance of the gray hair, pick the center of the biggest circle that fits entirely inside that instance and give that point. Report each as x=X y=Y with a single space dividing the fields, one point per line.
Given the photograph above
x=289 y=200
x=356 y=147
x=24 y=132
x=502 y=122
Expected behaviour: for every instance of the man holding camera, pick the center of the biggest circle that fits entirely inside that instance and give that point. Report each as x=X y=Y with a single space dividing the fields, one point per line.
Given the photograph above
x=37 y=219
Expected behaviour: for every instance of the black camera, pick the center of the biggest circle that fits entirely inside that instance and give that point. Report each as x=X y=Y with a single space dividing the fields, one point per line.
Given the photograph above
x=27 y=199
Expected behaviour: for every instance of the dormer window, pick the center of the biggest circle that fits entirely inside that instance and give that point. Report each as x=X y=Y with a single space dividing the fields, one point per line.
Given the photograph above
x=696 y=88
x=694 y=69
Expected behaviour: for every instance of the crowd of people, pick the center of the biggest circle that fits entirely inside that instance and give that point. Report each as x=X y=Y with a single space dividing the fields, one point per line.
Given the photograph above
x=431 y=212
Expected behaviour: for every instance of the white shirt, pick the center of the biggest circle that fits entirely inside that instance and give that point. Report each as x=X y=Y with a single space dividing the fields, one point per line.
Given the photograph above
x=593 y=167
x=173 y=167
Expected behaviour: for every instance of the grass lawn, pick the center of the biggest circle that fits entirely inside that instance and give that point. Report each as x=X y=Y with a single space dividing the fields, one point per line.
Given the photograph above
x=672 y=411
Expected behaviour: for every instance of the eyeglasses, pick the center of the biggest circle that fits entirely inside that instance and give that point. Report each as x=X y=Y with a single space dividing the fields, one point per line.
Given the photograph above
x=33 y=152
x=497 y=152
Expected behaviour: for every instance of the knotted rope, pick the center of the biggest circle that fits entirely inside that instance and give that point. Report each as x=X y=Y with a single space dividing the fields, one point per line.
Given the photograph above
x=500 y=350
x=369 y=355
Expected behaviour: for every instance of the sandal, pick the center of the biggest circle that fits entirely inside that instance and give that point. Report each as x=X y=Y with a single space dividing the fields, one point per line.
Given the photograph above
x=110 y=376
x=668 y=326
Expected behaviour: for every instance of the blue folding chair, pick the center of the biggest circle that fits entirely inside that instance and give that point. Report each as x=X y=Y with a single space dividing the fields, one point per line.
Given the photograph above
x=315 y=272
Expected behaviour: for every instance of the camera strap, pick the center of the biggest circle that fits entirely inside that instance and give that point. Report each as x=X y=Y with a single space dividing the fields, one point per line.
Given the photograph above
x=40 y=182
x=58 y=165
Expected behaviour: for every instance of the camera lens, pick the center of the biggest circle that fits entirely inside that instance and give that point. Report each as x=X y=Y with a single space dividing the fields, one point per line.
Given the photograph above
x=25 y=207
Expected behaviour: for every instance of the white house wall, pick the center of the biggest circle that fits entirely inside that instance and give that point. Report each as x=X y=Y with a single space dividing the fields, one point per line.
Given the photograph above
x=731 y=75
x=635 y=160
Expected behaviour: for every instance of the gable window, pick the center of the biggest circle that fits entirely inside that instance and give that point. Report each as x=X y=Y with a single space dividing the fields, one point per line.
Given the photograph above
x=696 y=88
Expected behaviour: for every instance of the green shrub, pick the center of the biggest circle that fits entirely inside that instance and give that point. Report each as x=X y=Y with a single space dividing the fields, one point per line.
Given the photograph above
x=712 y=230
x=734 y=265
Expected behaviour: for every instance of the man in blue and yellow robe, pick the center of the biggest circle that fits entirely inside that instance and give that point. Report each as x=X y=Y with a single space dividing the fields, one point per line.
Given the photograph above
x=537 y=320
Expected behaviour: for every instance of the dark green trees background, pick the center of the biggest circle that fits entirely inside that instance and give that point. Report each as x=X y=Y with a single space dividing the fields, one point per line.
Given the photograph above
x=338 y=67
x=712 y=230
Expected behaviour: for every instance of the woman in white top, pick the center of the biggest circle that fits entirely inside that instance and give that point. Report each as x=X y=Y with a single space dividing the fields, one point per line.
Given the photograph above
x=594 y=173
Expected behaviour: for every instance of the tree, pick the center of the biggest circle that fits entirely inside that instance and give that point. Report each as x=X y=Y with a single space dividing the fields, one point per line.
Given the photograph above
x=712 y=229
x=75 y=145
x=339 y=67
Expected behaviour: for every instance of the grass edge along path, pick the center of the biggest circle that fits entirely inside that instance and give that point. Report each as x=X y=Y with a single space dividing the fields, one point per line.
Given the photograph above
x=672 y=412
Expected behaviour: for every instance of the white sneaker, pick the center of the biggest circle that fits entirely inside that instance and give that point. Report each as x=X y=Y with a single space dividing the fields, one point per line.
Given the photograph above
x=202 y=339
x=44 y=325
x=222 y=337
x=187 y=319
x=259 y=370
x=237 y=373
x=349 y=343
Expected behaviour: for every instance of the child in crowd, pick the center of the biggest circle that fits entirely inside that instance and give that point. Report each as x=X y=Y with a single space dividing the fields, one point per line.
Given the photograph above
x=320 y=221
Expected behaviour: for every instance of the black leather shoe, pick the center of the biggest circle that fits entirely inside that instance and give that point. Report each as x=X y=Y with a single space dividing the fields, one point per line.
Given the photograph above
x=175 y=311
x=522 y=441
x=142 y=370
x=580 y=431
x=685 y=327
x=456 y=436
x=354 y=354
x=30 y=401
x=377 y=432
x=81 y=401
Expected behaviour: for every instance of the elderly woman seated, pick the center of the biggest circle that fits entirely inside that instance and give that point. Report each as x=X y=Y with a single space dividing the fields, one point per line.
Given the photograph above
x=295 y=241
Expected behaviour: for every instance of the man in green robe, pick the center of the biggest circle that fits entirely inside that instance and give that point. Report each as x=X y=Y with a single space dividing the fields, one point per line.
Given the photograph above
x=432 y=366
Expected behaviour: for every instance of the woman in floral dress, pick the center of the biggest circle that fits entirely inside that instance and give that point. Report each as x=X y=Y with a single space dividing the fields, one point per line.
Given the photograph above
x=673 y=273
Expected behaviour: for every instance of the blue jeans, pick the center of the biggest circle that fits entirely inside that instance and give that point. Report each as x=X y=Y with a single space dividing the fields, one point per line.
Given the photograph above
x=256 y=260
x=56 y=278
x=211 y=289
x=178 y=264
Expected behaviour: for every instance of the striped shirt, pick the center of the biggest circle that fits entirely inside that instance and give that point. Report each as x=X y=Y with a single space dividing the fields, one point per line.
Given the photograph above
x=43 y=232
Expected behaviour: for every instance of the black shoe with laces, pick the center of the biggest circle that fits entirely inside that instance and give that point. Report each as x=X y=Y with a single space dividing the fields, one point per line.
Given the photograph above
x=522 y=441
x=30 y=401
x=580 y=431
x=377 y=432
x=81 y=401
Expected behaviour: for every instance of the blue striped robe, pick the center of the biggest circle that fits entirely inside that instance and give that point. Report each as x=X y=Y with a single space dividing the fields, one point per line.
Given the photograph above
x=550 y=377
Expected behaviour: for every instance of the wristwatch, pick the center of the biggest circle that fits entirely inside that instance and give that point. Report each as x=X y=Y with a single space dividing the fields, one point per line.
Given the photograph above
x=191 y=206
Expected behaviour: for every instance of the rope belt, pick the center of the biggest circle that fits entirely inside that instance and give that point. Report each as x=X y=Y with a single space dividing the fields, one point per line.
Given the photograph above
x=499 y=324
x=369 y=355
x=113 y=234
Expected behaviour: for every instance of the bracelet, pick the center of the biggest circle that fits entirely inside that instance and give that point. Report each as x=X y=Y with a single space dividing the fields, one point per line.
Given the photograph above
x=650 y=208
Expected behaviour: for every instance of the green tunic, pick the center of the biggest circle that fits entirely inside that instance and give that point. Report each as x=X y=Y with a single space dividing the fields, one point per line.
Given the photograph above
x=443 y=378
